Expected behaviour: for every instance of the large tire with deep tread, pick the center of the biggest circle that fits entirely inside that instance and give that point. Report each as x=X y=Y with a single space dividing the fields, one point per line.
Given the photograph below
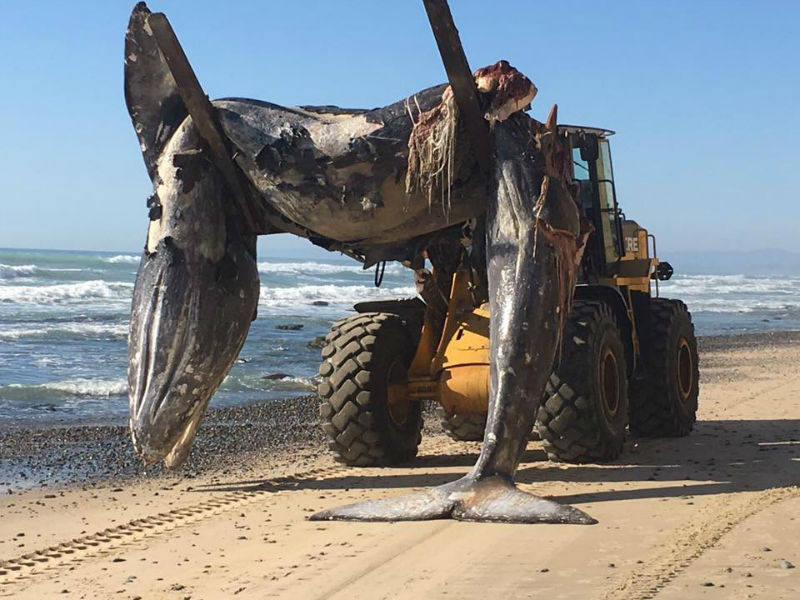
x=362 y=354
x=664 y=395
x=585 y=410
x=469 y=428
x=462 y=428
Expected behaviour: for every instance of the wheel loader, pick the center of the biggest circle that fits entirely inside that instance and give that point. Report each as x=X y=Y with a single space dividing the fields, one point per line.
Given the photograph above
x=628 y=360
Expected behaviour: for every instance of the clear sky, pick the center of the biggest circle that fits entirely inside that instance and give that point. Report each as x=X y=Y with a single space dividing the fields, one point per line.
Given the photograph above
x=703 y=96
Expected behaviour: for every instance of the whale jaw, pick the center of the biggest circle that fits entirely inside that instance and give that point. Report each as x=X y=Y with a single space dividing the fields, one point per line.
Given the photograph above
x=188 y=322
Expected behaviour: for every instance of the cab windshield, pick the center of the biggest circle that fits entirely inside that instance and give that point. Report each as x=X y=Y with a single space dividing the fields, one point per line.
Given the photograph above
x=608 y=208
x=597 y=196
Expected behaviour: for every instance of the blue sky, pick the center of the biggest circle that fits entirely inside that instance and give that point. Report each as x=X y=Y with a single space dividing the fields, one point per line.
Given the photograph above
x=703 y=96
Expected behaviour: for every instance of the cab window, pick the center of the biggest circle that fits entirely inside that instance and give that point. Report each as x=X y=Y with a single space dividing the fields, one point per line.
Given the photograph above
x=580 y=173
x=605 y=188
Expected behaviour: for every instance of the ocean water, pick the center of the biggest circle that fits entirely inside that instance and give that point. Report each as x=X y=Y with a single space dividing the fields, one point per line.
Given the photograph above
x=64 y=323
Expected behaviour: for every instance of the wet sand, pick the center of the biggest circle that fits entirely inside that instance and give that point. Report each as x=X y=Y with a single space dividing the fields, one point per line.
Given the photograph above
x=712 y=515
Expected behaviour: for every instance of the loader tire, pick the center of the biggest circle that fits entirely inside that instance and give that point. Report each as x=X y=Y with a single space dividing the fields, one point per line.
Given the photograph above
x=363 y=393
x=462 y=428
x=585 y=409
x=664 y=395
x=470 y=428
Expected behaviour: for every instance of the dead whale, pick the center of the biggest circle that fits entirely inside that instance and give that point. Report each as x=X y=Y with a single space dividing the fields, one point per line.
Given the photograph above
x=381 y=184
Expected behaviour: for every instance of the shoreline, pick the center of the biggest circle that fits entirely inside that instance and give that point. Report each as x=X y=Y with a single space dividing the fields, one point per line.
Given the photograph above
x=65 y=455
x=46 y=455
x=706 y=343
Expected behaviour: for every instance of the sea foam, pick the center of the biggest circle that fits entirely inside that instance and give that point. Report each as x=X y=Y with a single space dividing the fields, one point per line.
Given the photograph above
x=734 y=293
x=13 y=271
x=66 y=292
x=299 y=299
x=320 y=268
x=123 y=258
x=66 y=330
x=76 y=387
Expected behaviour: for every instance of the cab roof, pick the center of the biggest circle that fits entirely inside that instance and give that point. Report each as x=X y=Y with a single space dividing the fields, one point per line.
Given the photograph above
x=599 y=132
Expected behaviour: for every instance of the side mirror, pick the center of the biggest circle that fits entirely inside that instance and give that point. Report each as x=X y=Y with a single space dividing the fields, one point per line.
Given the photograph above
x=589 y=148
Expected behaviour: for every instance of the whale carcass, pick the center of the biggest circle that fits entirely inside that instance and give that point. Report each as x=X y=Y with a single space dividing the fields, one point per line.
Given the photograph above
x=383 y=184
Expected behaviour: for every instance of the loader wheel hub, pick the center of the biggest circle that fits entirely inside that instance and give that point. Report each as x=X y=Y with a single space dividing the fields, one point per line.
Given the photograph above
x=397 y=399
x=609 y=382
x=685 y=369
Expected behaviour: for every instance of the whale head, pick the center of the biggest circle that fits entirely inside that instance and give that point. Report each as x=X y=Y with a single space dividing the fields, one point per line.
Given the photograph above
x=188 y=323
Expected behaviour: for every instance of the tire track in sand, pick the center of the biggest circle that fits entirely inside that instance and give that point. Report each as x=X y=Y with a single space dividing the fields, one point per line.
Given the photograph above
x=688 y=543
x=77 y=549
x=73 y=551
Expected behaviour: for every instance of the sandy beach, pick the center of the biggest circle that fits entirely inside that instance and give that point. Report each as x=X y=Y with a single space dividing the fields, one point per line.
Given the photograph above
x=714 y=515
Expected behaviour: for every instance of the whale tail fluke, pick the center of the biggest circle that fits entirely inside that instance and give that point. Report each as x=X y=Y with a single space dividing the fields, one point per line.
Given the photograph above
x=152 y=97
x=493 y=499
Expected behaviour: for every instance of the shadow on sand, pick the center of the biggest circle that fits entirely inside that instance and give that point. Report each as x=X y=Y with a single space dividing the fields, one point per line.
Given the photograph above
x=721 y=456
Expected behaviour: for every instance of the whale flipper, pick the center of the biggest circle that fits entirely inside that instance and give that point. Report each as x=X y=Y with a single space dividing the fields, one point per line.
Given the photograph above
x=151 y=95
x=493 y=499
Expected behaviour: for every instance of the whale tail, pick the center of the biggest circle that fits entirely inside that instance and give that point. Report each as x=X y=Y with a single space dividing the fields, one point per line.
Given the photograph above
x=151 y=94
x=492 y=499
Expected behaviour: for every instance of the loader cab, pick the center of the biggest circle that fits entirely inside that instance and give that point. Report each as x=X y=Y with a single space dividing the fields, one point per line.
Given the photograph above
x=592 y=168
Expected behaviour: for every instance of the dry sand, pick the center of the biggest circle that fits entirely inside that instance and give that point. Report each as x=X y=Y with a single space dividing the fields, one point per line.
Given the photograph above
x=714 y=515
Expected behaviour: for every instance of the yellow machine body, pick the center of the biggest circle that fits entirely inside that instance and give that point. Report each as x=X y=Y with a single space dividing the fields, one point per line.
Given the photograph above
x=453 y=368
x=637 y=264
x=455 y=372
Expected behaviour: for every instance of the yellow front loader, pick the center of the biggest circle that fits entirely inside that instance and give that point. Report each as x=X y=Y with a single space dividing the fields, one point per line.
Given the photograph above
x=628 y=362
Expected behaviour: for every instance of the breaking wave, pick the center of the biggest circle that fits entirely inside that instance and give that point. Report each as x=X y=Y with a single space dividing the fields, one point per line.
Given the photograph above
x=733 y=284
x=71 y=387
x=735 y=293
x=237 y=383
x=289 y=300
x=68 y=330
x=13 y=271
x=90 y=387
x=66 y=292
x=123 y=258
x=320 y=268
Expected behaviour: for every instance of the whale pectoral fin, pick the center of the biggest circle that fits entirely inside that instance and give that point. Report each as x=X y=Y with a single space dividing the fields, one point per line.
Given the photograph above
x=492 y=499
x=152 y=97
